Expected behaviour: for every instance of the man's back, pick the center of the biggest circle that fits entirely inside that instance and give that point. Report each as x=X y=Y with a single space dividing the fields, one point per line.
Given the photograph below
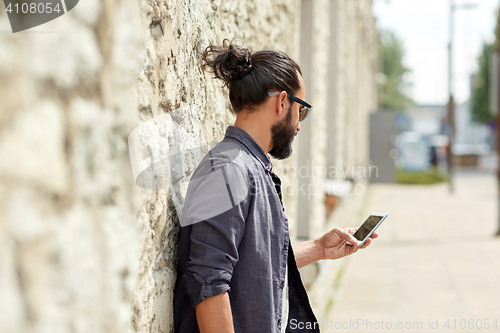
x=243 y=249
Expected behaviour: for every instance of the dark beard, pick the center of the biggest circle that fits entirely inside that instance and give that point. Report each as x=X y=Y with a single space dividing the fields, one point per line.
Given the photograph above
x=282 y=134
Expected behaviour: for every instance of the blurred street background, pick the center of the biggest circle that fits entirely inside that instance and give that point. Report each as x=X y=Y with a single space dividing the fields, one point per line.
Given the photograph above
x=436 y=260
x=435 y=266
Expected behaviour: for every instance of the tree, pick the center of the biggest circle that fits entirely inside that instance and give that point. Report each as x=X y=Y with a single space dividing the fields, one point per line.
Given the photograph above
x=481 y=87
x=394 y=85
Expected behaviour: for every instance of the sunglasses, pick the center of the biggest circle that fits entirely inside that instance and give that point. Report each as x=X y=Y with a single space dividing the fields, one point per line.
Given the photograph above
x=303 y=111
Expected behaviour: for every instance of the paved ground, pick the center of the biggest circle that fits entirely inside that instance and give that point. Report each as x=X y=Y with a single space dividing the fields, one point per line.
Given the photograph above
x=436 y=260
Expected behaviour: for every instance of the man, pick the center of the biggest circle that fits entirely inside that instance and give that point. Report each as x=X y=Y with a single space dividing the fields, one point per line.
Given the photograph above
x=237 y=270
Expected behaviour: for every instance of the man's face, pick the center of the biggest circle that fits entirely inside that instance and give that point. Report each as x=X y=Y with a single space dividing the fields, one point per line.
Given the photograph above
x=284 y=131
x=282 y=135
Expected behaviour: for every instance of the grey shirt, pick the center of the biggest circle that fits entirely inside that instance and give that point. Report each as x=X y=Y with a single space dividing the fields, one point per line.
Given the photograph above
x=237 y=241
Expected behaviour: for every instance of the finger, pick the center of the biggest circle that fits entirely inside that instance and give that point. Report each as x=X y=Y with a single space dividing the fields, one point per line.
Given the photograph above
x=344 y=235
x=367 y=242
x=354 y=247
x=374 y=235
x=351 y=230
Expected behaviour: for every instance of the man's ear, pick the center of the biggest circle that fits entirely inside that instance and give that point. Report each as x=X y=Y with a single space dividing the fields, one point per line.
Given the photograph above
x=281 y=102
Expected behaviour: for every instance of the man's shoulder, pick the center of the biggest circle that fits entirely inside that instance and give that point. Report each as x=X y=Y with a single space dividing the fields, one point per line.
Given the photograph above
x=230 y=152
x=221 y=182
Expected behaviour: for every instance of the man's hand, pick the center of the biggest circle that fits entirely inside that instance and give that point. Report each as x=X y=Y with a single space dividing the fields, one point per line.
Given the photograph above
x=333 y=244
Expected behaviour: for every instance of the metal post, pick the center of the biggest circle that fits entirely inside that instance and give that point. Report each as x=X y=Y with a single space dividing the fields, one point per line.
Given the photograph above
x=449 y=127
x=498 y=118
x=450 y=119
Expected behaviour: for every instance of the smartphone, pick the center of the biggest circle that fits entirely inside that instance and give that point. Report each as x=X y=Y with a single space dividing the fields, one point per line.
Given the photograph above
x=369 y=226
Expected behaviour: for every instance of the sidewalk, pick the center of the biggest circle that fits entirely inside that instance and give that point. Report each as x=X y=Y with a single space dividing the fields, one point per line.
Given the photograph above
x=436 y=260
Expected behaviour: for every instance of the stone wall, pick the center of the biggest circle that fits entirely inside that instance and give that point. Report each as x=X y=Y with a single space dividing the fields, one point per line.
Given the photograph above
x=82 y=247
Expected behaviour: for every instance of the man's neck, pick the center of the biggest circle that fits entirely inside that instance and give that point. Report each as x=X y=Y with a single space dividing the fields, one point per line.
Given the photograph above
x=256 y=129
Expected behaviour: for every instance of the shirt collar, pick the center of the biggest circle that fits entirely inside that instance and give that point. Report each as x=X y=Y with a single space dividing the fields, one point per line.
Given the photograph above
x=245 y=138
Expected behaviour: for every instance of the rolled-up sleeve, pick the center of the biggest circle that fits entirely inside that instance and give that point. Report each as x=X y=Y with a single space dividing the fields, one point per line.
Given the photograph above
x=215 y=239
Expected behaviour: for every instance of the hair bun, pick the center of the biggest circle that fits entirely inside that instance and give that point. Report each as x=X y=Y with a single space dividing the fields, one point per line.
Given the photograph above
x=228 y=62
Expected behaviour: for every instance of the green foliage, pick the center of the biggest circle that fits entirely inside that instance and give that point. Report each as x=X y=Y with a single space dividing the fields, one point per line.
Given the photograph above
x=393 y=86
x=481 y=88
x=420 y=177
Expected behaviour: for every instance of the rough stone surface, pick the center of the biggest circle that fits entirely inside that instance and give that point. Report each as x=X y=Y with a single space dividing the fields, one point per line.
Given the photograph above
x=70 y=237
x=82 y=247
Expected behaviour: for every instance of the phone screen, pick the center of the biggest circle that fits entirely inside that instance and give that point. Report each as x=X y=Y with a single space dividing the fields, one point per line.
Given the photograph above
x=366 y=227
